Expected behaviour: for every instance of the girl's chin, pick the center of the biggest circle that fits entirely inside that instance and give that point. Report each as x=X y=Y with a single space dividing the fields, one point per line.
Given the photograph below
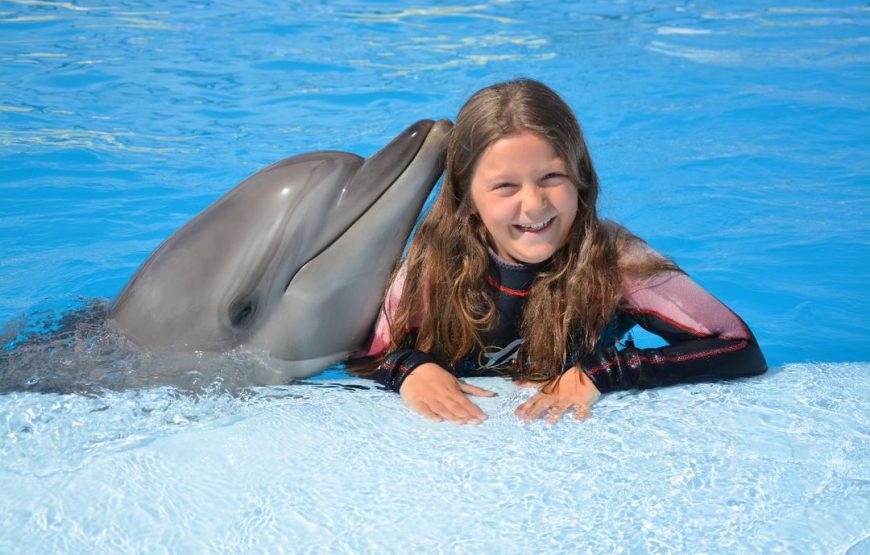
x=530 y=257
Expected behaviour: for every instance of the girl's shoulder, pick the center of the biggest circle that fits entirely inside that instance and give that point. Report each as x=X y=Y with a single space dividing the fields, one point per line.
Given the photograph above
x=631 y=250
x=639 y=265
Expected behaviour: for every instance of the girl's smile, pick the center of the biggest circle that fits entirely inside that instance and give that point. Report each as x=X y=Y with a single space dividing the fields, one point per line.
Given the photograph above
x=536 y=228
x=523 y=195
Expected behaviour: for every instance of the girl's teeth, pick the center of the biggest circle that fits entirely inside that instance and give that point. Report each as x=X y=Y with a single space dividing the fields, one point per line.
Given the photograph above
x=537 y=227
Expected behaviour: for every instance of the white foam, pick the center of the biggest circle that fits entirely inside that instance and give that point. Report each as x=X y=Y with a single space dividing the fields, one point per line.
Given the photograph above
x=682 y=31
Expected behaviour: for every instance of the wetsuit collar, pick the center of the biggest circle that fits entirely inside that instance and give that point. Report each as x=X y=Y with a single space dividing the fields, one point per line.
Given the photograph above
x=510 y=278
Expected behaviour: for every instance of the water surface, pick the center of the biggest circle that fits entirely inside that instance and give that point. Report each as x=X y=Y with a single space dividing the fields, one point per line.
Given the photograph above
x=733 y=138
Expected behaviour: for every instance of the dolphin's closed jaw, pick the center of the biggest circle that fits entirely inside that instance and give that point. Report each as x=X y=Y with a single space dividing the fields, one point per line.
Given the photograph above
x=293 y=261
x=376 y=175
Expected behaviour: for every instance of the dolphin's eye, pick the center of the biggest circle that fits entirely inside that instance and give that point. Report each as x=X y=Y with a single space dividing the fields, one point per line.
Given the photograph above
x=242 y=312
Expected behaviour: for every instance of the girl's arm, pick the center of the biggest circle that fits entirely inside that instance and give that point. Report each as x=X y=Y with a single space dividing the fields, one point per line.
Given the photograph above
x=396 y=365
x=432 y=391
x=706 y=340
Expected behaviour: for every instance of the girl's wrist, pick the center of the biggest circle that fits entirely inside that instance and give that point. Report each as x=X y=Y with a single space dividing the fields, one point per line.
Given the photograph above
x=586 y=383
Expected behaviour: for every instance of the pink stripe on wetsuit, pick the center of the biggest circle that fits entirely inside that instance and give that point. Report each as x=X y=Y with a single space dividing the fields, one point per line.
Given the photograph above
x=706 y=339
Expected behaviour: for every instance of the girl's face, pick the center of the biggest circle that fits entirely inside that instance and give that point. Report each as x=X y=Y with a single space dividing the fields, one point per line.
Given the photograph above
x=521 y=190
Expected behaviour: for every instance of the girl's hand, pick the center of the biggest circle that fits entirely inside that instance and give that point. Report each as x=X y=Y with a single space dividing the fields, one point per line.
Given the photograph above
x=573 y=390
x=438 y=395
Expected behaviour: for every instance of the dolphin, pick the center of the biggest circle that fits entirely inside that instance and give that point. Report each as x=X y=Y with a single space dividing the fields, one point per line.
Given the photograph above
x=291 y=263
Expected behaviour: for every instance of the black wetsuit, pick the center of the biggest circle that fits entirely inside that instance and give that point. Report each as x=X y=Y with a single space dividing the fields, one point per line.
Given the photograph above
x=705 y=339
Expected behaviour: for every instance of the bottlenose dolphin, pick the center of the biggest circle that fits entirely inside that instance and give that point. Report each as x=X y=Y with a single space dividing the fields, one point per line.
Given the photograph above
x=292 y=262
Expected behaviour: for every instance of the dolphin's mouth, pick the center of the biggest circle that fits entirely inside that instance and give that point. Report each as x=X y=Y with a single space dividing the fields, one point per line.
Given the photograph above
x=378 y=173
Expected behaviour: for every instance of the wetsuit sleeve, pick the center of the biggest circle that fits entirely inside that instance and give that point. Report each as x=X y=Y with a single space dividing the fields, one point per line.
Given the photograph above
x=396 y=365
x=706 y=339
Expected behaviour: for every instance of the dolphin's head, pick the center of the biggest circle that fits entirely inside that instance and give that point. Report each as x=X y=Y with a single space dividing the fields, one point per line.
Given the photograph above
x=293 y=261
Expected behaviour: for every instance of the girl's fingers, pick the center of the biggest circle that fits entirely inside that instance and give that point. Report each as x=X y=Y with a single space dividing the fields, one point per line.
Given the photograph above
x=474 y=390
x=427 y=413
x=441 y=411
x=581 y=412
x=450 y=411
x=539 y=408
x=463 y=409
x=534 y=407
x=450 y=405
x=538 y=405
x=472 y=409
x=523 y=409
x=556 y=412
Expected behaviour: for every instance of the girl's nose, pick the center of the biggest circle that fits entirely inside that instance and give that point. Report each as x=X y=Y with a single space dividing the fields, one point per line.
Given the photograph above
x=534 y=198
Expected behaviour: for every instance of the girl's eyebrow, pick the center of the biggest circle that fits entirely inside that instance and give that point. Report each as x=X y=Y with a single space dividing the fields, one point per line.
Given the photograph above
x=555 y=166
x=498 y=177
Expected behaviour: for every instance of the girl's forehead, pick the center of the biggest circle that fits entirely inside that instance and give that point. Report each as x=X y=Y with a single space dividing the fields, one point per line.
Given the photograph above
x=517 y=150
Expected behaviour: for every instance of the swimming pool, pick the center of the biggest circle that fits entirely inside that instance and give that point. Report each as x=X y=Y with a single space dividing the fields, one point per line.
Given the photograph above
x=732 y=138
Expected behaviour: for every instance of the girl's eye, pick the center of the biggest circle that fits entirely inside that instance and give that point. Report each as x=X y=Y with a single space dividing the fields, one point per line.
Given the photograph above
x=554 y=175
x=502 y=186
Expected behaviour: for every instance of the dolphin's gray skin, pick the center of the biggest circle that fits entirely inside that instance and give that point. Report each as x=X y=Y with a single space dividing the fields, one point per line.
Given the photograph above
x=292 y=262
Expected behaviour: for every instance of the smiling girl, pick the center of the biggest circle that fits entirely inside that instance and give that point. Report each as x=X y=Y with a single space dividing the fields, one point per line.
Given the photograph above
x=513 y=273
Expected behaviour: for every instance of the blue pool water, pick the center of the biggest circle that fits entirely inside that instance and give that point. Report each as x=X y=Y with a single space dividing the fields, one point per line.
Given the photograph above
x=732 y=136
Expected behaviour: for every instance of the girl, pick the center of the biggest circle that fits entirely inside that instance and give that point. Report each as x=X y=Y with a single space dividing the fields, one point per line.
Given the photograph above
x=513 y=273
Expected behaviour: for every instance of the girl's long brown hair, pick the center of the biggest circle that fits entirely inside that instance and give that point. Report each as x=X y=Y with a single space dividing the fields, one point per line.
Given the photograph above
x=445 y=298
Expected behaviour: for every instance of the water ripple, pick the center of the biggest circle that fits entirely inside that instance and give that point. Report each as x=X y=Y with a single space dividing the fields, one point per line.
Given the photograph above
x=398 y=16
